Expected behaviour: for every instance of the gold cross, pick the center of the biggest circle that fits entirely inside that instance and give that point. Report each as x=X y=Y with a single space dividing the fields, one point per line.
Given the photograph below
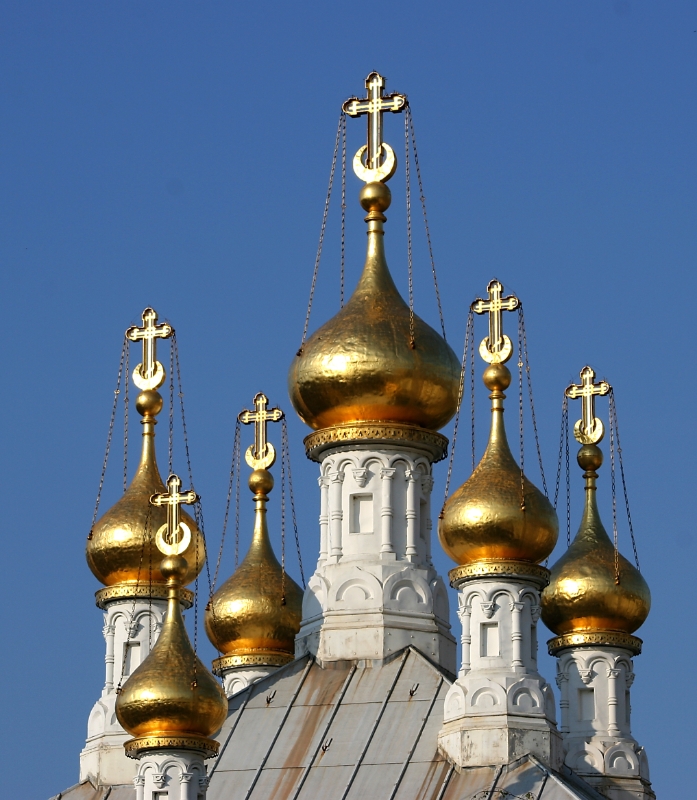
x=375 y=105
x=149 y=374
x=589 y=429
x=174 y=536
x=497 y=347
x=261 y=454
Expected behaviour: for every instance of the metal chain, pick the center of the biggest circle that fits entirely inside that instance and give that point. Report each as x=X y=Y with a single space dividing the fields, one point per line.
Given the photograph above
x=343 y=205
x=410 y=119
x=342 y=122
x=125 y=419
x=568 y=480
x=112 y=419
x=520 y=416
x=564 y=440
x=170 y=452
x=407 y=173
x=469 y=335
x=613 y=416
x=526 y=359
x=237 y=506
x=233 y=465
x=472 y=391
x=283 y=528
x=614 y=502
x=285 y=447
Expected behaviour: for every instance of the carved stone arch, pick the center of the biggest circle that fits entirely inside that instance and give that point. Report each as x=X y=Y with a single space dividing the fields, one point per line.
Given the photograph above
x=524 y=697
x=467 y=595
x=370 y=457
x=441 y=602
x=501 y=591
x=404 y=458
x=455 y=702
x=486 y=696
x=620 y=759
x=408 y=590
x=423 y=464
x=346 y=461
x=97 y=720
x=315 y=597
x=586 y=759
x=358 y=588
x=528 y=593
x=624 y=662
x=604 y=661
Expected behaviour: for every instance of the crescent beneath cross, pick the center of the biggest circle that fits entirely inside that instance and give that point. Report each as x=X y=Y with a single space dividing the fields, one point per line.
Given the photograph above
x=382 y=173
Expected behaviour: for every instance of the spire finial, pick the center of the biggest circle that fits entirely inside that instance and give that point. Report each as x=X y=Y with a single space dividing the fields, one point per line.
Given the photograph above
x=174 y=536
x=589 y=429
x=497 y=347
x=261 y=454
x=150 y=373
x=375 y=105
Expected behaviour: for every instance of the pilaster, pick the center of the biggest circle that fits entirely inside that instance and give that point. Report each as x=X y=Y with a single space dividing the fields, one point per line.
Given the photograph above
x=595 y=684
x=500 y=708
x=374 y=590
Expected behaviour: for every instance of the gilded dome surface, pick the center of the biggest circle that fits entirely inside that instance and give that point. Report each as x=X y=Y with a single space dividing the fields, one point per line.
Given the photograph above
x=247 y=617
x=483 y=519
x=172 y=693
x=121 y=549
x=360 y=366
x=582 y=595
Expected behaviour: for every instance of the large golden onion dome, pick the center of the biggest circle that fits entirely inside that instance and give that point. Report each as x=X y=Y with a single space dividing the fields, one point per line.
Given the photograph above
x=583 y=595
x=484 y=520
x=172 y=700
x=121 y=550
x=255 y=615
x=361 y=365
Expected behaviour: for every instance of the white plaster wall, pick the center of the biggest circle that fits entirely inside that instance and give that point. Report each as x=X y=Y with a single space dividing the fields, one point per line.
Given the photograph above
x=171 y=774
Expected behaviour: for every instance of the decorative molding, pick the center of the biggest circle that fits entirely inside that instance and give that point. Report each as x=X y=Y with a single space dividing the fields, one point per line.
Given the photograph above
x=140 y=591
x=159 y=779
x=608 y=638
x=488 y=609
x=376 y=433
x=220 y=665
x=586 y=675
x=361 y=476
x=499 y=569
x=136 y=747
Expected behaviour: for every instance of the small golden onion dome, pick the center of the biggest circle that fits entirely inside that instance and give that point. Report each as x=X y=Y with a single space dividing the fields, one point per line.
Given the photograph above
x=582 y=595
x=171 y=699
x=483 y=519
x=121 y=547
x=361 y=366
x=255 y=615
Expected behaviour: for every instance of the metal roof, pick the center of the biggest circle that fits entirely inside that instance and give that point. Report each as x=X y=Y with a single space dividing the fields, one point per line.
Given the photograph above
x=346 y=731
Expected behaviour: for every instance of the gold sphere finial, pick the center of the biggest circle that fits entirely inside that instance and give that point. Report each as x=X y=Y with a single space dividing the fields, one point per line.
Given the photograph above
x=261 y=482
x=497 y=377
x=590 y=457
x=174 y=568
x=375 y=196
x=149 y=403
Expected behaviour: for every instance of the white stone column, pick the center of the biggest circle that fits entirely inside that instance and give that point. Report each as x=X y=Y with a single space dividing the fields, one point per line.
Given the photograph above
x=109 y=631
x=336 y=513
x=466 y=638
x=517 y=636
x=413 y=477
x=386 y=513
x=563 y=684
x=139 y=783
x=612 y=675
x=324 y=518
x=427 y=488
x=189 y=788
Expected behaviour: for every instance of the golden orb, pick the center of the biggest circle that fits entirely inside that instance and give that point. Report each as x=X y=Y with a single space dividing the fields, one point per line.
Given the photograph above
x=375 y=196
x=483 y=520
x=172 y=694
x=121 y=548
x=582 y=595
x=149 y=403
x=361 y=366
x=255 y=615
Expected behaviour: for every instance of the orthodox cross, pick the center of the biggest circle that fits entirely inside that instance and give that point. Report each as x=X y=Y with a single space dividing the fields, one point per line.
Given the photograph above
x=174 y=536
x=374 y=106
x=497 y=347
x=149 y=374
x=261 y=454
x=589 y=429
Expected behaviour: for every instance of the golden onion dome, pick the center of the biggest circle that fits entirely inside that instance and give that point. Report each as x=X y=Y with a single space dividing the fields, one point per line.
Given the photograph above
x=172 y=700
x=255 y=615
x=583 y=595
x=361 y=365
x=484 y=519
x=121 y=548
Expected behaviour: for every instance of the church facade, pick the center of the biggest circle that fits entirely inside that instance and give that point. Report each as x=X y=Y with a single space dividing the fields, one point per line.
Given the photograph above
x=354 y=688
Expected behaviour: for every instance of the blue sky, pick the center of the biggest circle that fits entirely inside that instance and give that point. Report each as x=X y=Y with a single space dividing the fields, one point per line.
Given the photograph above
x=177 y=155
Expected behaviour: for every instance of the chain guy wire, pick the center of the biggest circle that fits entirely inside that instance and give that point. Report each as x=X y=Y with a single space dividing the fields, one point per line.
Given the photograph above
x=469 y=338
x=234 y=467
x=407 y=174
x=410 y=123
x=125 y=419
x=472 y=392
x=342 y=124
x=285 y=454
x=614 y=501
x=110 y=434
x=170 y=451
x=613 y=421
x=564 y=445
x=520 y=416
x=283 y=527
x=343 y=204
x=524 y=339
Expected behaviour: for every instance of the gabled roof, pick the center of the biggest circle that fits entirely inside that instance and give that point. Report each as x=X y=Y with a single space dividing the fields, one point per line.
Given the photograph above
x=346 y=731
x=85 y=791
